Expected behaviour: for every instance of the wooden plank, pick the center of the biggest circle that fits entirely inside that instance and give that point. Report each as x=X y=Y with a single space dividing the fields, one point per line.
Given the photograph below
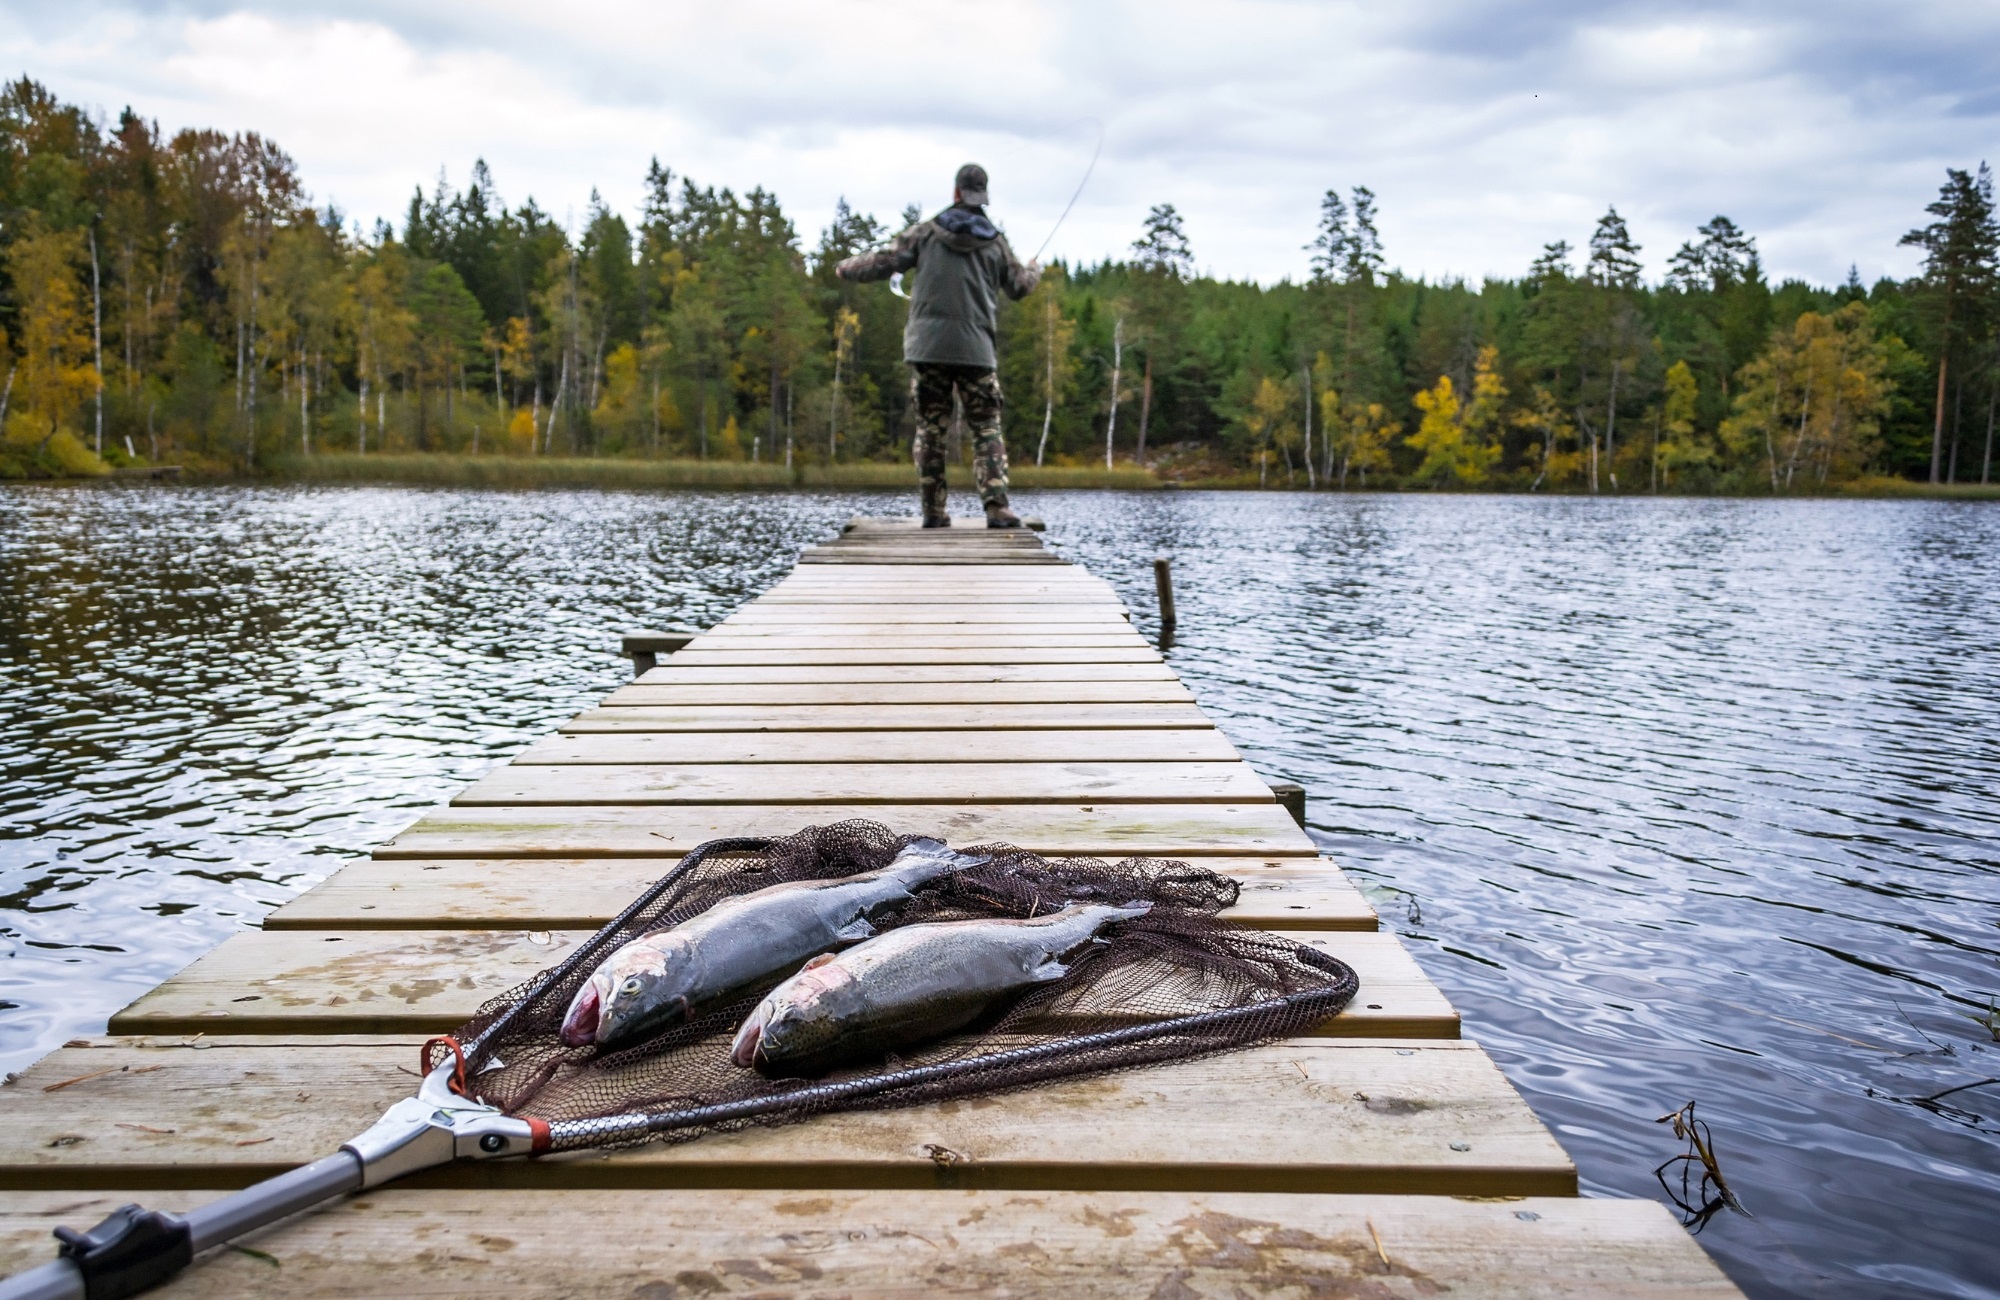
x=856 y=634
x=1095 y=830
x=1298 y=1115
x=584 y=893
x=672 y=673
x=742 y=641
x=917 y=1245
x=894 y=572
x=891 y=693
x=431 y=981
x=636 y=785
x=1032 y=585
x=796 y=718
x=958 y=594
x=903 y=559
x=1194 y=745
x=827 y=615
x=838 y=655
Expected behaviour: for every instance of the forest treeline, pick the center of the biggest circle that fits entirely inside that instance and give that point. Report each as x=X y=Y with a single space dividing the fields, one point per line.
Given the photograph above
x=178 y=298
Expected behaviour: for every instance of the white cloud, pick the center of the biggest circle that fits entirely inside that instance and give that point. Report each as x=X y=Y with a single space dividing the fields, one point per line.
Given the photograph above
x=1486 y=130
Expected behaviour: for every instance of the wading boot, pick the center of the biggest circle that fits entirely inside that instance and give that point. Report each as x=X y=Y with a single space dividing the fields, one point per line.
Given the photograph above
x=937 y=510
x=999 y=516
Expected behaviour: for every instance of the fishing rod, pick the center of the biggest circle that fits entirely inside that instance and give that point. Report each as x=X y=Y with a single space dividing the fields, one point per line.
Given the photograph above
x=1079 y=191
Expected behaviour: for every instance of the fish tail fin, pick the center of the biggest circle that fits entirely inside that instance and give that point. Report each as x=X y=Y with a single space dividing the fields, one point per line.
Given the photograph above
x=929 y=858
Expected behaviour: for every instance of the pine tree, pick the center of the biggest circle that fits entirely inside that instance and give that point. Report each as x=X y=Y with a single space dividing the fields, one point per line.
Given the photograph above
x=1959 y=271
x=1722 y=258
x=1364 y=246
x=1162 y=246
x=1614 y=257
x=1329 y=247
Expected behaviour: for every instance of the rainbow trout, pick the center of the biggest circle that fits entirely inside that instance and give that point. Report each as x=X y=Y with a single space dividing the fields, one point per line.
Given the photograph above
x=910 y=984
x=670 y=976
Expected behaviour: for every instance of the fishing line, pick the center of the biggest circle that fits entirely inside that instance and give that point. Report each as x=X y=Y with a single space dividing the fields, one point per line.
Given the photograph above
x=1079 y=190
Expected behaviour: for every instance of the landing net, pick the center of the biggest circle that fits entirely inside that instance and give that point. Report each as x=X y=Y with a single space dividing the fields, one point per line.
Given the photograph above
x=1176 y=983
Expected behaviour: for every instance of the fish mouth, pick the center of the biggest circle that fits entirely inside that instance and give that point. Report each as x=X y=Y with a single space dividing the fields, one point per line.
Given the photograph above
x=743 y=1051
x=579 y=1027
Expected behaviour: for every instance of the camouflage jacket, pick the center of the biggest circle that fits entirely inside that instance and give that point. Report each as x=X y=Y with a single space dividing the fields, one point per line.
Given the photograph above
x=963 y=264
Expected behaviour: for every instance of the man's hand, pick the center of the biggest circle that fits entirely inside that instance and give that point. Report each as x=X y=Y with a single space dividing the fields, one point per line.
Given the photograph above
x=846 y=266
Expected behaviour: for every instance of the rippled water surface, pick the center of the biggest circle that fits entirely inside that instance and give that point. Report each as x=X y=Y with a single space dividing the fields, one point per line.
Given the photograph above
x=1677 y=800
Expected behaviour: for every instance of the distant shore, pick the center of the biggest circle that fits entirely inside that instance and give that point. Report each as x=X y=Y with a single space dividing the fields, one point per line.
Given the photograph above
x=523 y=472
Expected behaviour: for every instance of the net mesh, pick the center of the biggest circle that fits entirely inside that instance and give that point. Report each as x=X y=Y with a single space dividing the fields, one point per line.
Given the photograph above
x=1176 y=983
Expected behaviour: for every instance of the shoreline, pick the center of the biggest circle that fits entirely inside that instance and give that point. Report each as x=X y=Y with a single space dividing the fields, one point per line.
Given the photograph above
x=525 y=472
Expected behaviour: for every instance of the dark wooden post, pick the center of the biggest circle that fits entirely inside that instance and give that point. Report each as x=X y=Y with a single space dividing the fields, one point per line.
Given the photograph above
x=1163 y=582
x=1293 y=796
x=645 y=648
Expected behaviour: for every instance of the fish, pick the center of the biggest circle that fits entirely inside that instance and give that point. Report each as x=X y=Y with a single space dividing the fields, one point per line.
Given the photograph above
x=670 y=976
x=912 y=983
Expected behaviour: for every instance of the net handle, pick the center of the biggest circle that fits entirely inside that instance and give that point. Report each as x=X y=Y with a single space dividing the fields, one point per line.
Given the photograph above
x=572 y=1135
x=589 y=949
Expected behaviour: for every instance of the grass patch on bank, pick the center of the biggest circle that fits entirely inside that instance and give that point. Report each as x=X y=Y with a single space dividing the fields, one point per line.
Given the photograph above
x=581 y=471
x=1902 y=487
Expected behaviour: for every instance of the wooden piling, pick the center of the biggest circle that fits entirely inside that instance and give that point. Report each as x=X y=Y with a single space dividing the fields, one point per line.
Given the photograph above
x=1163 y=583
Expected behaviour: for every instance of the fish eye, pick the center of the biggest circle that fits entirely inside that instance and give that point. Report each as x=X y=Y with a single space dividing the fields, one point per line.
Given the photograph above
x=630 y=988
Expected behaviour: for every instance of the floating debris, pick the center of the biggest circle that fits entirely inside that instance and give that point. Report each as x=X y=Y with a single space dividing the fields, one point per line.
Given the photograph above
x=1699 y=1199
x=1989 y=1019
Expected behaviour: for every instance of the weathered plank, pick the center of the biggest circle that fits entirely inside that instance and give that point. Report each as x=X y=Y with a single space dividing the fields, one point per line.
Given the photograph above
x=957 y=637
x=892 y=693
x=431 y=981
x=584 y=893
x=1298 y=1115
x=993 y=612
x=1191 y=745
x=914 y=1245
x=956 y=594
x=885 y=555
x=635 y=785
x=1098 y=830
x=796 y=718
x=673 y=673
x=834 y=653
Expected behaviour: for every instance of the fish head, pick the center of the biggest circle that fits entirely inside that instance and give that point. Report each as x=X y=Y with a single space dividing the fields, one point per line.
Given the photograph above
x=641 y=991
x=794 y=1019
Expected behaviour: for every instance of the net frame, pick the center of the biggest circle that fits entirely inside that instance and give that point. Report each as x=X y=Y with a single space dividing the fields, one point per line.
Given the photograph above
x=1287 y=987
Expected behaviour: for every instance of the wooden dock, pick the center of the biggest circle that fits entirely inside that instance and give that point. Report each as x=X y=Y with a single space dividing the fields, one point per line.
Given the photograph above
x=966 y=683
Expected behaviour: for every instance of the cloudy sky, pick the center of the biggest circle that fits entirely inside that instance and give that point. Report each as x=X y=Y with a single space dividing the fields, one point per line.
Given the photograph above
x=1486 y=129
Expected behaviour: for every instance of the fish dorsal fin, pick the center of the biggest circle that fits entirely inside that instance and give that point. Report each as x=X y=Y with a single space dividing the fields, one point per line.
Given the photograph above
x=818 y=961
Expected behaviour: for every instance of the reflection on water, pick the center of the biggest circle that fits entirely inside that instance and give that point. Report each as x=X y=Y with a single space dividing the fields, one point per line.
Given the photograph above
x=1676 y=799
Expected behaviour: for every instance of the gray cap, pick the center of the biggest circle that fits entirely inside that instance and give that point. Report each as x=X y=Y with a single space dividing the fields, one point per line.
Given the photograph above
x=971 y=185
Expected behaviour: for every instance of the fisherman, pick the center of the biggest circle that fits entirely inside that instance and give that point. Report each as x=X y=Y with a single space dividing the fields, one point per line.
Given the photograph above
x=963 y=264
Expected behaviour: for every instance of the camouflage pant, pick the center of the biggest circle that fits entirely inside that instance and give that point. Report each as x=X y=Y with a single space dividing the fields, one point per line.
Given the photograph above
x=931 y=388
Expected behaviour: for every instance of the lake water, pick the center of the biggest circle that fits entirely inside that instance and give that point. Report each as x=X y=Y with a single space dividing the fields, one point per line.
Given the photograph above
x=1676 y=799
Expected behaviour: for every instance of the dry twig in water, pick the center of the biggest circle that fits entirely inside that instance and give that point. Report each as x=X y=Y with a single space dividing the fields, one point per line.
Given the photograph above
x=1699 y=1198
